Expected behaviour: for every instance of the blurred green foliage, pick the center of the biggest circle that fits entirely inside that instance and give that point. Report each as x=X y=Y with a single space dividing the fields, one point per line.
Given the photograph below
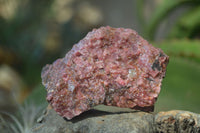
x=185 y=26
x=33 y=36
x=180 y=90
x=188 y=49
x=22 y=34
x=181 y=86
x=34 y=33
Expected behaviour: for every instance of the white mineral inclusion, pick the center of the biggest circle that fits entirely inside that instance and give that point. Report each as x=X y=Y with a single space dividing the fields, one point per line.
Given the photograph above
x=131 y=73
x=70 y=86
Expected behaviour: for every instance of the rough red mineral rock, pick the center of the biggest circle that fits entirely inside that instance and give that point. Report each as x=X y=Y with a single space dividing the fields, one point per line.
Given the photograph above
x=111 y=66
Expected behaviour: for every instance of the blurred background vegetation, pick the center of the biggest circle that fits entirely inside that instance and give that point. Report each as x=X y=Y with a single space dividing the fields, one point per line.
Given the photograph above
x=36 y=32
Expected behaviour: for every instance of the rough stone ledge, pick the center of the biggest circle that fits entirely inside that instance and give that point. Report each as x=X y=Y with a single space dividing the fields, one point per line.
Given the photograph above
x=96 y=121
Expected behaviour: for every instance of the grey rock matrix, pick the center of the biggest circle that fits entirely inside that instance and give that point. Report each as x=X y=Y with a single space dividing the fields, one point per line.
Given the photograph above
x=96 y=121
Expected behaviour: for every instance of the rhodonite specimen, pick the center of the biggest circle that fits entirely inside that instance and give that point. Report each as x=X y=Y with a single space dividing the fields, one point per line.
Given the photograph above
x=111 y=66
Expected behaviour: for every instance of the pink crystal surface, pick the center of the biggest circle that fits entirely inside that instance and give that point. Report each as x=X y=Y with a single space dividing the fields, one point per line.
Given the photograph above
x=111 y=66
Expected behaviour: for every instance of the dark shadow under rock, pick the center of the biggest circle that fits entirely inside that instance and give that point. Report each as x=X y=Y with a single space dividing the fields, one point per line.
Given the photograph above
x=101 y=110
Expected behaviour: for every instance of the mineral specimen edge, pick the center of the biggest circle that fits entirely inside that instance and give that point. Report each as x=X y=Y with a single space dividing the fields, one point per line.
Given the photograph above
x=110 y=66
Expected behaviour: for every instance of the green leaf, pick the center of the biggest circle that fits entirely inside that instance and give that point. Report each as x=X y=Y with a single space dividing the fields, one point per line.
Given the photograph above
x=161 y=12
x=37 y=96
x=180 y=89
x=188 y=24
x=182 y=48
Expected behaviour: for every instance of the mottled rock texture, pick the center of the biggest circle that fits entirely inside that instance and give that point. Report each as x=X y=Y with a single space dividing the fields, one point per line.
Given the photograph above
x=94 y=121
x=111 y=66
x=177 y=121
